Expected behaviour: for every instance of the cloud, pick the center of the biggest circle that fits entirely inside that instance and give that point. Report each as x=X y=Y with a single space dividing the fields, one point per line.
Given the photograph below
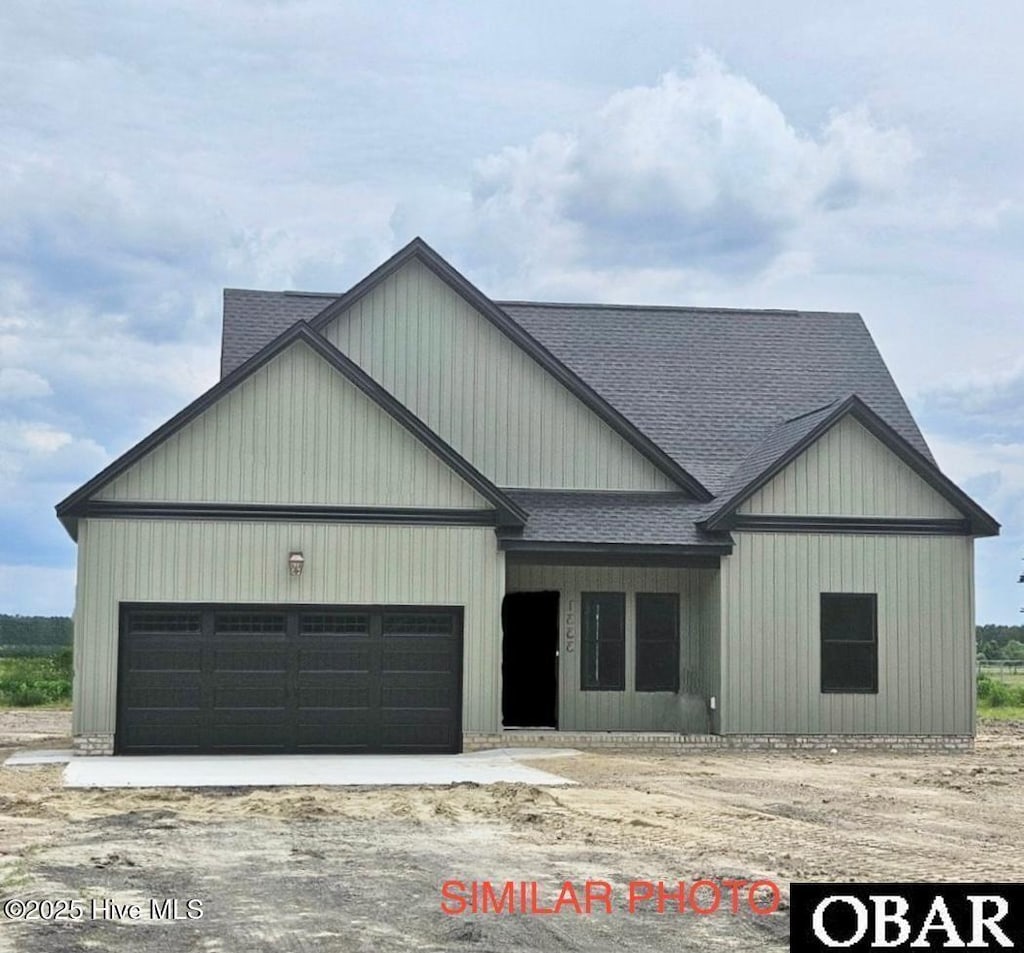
x=45 y=439
x=703 y=169
x=19 y=384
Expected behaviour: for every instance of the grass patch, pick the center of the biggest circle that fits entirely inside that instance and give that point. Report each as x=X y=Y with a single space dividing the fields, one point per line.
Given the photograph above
x=27 y=681
x=1002 y=698
x=1001 y=714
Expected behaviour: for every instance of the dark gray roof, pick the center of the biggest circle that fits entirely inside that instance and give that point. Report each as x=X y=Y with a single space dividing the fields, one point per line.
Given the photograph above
x=775 y=445
x=572 y=516
x=252 y=319
x=707 y=385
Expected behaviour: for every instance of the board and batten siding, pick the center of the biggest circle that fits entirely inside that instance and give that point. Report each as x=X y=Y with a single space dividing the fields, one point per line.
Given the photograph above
x=771 y=641
x=296 y=431
x=481 y=392
x=630 y=710
x=849 y=472
x=122 y=560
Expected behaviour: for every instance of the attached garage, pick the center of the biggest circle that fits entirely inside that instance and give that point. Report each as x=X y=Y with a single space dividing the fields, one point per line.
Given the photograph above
x=289 y=679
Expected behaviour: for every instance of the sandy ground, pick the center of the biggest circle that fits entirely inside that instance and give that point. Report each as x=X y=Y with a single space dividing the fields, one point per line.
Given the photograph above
x=358 y=869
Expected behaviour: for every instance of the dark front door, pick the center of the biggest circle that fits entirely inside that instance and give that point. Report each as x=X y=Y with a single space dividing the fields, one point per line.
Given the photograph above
x=258 y=679
x=529 y=660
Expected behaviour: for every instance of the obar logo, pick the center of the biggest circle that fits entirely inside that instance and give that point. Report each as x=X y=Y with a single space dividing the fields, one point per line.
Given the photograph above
x=906 y=917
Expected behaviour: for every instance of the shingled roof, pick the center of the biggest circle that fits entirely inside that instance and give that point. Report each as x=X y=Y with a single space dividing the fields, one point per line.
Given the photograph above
x=706 y=385
x=252 y=319
x=581 y=516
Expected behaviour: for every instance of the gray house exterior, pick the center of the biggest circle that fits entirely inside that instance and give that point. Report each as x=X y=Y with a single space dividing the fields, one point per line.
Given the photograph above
x=411 y=518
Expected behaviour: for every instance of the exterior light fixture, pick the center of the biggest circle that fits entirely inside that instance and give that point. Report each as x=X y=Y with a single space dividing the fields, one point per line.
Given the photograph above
x=295 y=563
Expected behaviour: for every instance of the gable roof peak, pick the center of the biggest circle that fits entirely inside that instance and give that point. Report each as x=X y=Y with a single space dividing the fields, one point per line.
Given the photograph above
x=784 y=442
x=509 y=512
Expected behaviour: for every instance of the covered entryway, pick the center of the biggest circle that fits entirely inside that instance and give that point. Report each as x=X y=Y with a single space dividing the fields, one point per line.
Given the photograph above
x=283 y=679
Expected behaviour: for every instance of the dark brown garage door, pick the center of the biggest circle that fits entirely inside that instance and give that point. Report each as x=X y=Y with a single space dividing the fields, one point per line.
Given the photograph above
x=284 y=679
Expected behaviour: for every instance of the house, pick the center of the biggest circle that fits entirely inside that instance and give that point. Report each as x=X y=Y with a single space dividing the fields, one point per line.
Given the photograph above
x=409 y=517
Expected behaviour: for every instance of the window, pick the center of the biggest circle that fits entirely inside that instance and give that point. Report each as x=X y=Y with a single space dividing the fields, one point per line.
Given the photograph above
x=657 y=642
x=603 y=652
x=849 y=642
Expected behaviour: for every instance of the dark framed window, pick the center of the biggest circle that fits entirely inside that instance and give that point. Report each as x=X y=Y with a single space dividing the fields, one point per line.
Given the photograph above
x=603 y=645
x=849 y=642
x=657 y=642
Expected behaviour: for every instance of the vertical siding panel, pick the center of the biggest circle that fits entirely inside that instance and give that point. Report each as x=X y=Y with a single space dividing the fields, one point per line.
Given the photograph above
x=248 y=447
x=849 y=472
x=924 y=599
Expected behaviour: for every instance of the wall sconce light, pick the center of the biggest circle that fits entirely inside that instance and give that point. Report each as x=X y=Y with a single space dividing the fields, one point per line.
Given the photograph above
x=295 y=563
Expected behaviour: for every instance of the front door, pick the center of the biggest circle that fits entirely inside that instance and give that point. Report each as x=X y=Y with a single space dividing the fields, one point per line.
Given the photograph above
x=529 y=660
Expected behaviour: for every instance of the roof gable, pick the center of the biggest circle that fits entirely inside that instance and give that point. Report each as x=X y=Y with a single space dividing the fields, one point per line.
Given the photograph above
x=418 y=251
x=508 y=512
x=786 y=442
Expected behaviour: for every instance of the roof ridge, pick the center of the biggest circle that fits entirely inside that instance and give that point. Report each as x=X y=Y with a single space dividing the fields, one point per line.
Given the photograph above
x=605 y=306
x=287 y=291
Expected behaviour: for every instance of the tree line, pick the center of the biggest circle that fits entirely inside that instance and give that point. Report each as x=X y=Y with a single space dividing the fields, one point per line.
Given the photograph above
x=1000 y=641
x=35 y=631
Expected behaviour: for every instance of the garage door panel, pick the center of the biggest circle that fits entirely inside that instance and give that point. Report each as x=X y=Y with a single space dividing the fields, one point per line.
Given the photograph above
x=421 y=698
x=224 y=718
x=340 y=659
x=149 y=718
x=269 y=697
x=260 y=739
x=334 y=696
x=251 y=658
x=169 y=739
x=414 y=738
x=174 y=655
x=363 y=718
x=160 y=697
x=289 y=679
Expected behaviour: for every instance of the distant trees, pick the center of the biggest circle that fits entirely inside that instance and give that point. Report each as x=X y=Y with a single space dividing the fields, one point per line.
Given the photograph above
x=1000 y=641
x=33 y=631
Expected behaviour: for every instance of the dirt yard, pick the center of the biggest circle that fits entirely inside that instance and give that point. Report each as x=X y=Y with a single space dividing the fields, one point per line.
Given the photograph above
x=314 y=869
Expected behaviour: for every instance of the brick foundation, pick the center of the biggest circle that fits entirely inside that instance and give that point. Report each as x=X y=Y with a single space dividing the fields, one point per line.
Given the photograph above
x=666 y=741
x=98 y=744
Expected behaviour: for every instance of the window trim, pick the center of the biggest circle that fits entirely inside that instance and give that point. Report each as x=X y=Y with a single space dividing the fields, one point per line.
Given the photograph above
x=674 y=642
x=585 y=682
x=873 y=643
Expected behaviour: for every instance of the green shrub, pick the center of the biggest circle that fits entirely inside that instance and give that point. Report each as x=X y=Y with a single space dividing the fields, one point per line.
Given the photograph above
x=26 y=681
x=999 y=695
x=994 y=693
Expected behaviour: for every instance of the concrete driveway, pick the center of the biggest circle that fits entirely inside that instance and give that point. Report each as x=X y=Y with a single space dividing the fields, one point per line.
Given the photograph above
x=192 y=771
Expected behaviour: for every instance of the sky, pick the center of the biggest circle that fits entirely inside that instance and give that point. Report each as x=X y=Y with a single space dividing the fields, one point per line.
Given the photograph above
x=852 y=157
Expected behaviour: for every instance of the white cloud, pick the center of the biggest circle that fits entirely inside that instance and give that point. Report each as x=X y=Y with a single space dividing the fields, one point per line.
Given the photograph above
x=16 y=383
x=702 y=169
x=45 y=439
